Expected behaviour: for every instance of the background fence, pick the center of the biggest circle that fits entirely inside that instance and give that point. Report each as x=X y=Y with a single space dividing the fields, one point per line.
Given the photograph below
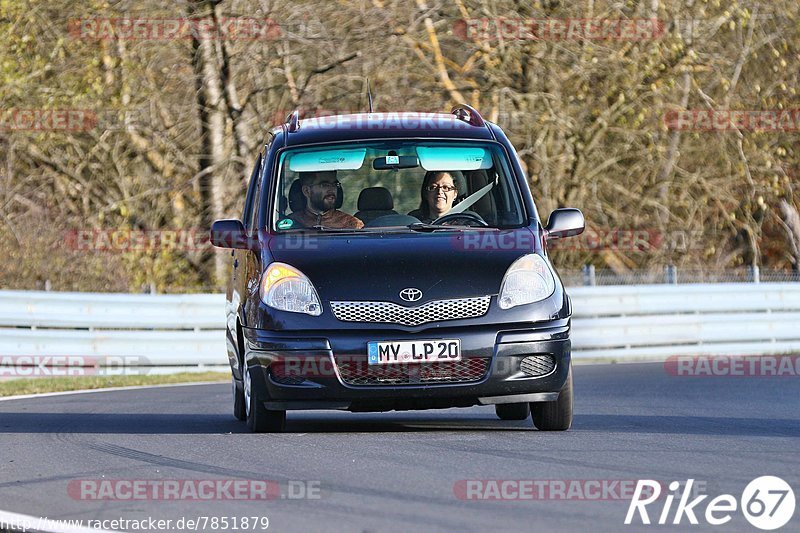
x=693 y=319
x=158 y=330
x=621 y=322
x=670 y=274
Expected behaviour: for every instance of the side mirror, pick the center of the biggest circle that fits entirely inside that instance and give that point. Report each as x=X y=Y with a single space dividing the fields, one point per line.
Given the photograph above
x=230 y=233
x=565 y=222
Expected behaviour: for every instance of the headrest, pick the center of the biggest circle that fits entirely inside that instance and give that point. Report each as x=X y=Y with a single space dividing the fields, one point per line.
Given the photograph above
x=375 y=199
x=297 y=202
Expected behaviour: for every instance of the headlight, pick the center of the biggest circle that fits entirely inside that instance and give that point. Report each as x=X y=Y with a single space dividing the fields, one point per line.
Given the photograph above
x=286 y=288
x=527 y=280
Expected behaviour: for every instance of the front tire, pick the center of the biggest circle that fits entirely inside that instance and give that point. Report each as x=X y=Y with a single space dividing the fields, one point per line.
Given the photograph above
x=259 y=418
x=557 y=415
x=239 y=409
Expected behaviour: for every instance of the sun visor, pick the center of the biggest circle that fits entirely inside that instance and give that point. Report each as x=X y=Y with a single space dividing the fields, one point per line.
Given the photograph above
x=321 y=160
x=454 y=158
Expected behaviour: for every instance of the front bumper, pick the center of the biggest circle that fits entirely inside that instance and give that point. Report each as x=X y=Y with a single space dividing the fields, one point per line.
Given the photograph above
x=305 y=371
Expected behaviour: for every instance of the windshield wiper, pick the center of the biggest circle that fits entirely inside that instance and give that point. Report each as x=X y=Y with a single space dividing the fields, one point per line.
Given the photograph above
x=337 y=230
x=422 y=226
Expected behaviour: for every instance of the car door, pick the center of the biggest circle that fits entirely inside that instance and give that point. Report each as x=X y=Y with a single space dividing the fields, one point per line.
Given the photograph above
x=248 y=273
x=235 y=292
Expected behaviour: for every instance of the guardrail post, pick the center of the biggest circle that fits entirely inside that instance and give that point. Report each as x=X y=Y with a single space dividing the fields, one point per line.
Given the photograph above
x=672 y=274
x=755 y=274
x=149 y=288
x=589 y=278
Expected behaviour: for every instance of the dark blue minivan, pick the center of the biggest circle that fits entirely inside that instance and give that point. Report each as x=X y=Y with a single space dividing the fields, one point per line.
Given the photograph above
x=395 y=261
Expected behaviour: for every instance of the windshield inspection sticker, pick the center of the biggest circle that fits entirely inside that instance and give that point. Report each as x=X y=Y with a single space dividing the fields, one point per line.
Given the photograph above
x=286 y=223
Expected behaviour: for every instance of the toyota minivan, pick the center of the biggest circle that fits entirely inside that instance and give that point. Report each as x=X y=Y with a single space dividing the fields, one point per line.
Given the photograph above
x=342 y=295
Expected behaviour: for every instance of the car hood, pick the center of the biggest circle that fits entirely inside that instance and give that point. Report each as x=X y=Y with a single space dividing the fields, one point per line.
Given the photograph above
x=377 y=266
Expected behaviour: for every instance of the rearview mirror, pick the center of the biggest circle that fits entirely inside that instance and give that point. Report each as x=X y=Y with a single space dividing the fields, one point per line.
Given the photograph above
x=395 y=162
x=565 y=222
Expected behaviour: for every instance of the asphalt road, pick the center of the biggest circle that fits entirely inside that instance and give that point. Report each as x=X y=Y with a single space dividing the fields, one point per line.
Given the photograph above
x=405 y=471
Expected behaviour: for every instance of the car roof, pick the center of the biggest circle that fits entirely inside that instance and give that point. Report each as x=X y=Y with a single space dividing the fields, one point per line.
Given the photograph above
x=405 y=124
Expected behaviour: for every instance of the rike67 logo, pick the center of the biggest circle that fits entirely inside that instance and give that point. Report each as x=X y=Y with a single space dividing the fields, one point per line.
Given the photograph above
x=767 y=503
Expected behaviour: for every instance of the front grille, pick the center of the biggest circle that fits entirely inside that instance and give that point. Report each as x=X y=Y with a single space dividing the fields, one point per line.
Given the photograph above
x=392 y=313
x=538 y=365
x=464 y=371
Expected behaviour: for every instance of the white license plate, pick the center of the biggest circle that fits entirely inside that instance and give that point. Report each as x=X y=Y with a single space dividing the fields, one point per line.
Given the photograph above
x=391 y=352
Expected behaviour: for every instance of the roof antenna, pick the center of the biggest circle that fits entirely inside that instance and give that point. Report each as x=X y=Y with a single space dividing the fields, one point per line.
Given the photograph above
x=369 y=96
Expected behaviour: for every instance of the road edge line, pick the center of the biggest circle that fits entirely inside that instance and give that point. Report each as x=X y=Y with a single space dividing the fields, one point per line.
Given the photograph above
x=106 y=389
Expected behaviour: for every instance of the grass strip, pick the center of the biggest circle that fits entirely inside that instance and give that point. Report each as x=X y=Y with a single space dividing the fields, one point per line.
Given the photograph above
x=14 y=387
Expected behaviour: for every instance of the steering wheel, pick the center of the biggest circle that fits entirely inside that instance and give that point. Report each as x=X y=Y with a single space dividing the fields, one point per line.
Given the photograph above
x=475 y=218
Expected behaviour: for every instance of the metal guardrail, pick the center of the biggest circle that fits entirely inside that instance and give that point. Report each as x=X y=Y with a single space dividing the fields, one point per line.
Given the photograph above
x=159 y=330
x=590 y=276
x=702 y=319
x=609 y=321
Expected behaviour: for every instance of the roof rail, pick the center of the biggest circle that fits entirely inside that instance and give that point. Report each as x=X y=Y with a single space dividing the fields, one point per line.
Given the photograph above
x=293 y=121
x=468 y=114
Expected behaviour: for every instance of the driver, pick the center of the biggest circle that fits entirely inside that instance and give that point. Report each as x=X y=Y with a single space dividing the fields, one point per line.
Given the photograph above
x=320 y=189
x=438 y=193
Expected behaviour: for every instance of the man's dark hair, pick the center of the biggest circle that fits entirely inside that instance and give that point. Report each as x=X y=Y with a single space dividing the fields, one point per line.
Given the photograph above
x=307 y=178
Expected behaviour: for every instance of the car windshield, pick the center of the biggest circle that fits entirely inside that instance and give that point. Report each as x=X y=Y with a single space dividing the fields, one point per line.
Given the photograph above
x=412 y=185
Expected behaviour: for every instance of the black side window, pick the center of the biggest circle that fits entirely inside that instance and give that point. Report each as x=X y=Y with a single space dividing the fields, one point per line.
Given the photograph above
x=252 y=194
x=253 y=222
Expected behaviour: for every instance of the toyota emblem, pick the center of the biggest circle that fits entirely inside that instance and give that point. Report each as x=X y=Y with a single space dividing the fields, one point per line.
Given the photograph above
x=410 y=294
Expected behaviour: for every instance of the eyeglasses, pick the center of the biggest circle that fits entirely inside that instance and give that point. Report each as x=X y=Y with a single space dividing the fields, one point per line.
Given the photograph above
x=445 y=188
x=328 y=184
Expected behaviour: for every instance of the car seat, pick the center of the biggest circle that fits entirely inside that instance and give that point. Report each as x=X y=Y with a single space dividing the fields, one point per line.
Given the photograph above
x=374 y=202
x=485 y=207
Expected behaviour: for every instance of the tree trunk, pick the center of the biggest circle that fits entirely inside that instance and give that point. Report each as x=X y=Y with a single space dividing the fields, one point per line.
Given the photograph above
x=211 y=110
x=791 y=221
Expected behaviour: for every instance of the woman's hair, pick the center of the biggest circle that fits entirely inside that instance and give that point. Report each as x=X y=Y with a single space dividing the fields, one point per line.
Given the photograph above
x=429 y=177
